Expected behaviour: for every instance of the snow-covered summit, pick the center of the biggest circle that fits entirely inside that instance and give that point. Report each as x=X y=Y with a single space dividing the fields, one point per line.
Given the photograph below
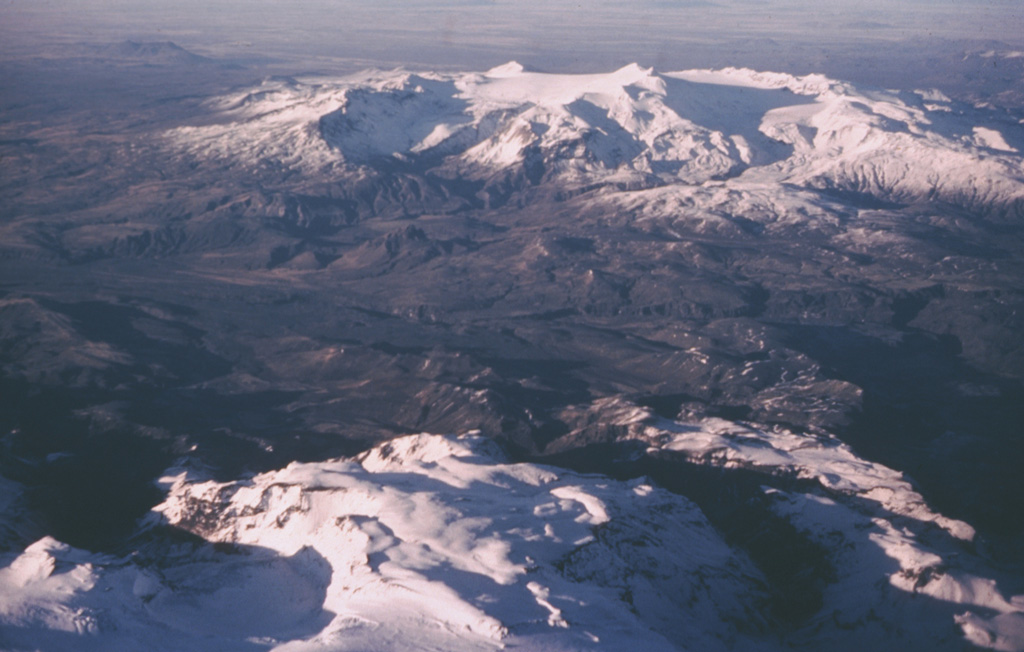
x=510 y=69
x=425 y=542
x=439 y=542
x=633 y=127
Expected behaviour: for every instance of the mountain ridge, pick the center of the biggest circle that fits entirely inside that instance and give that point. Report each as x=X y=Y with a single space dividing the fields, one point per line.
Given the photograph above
x=631 y=128
x=444 y=540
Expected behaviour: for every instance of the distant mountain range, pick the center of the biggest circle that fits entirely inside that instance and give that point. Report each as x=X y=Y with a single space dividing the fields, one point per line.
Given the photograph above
x=631 y=129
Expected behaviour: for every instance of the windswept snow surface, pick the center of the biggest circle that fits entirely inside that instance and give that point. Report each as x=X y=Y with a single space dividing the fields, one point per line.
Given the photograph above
x=439 y=543
x=424 y=543
x=632 y=128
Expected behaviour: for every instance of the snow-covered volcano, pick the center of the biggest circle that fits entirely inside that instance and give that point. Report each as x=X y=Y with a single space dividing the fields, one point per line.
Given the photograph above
x=440 y=543
x=632 y=128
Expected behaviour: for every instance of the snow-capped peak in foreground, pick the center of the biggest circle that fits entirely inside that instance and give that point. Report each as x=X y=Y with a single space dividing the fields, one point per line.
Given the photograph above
x=631 y=128
x=439 y=543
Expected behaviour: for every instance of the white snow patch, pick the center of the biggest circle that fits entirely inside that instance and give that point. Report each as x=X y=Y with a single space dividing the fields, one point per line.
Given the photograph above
x=986 y=137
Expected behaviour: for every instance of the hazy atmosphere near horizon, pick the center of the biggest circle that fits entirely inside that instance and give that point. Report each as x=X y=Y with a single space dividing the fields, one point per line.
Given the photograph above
x=554 y=36
x=477 y=325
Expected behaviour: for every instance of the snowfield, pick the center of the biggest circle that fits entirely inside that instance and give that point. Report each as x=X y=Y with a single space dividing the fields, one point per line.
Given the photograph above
x=632 y=128
x=435 y=542
x=426 y=542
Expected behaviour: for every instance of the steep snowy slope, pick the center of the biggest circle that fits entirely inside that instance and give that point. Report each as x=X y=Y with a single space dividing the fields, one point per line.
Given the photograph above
x=631 y=128
x=901 y=569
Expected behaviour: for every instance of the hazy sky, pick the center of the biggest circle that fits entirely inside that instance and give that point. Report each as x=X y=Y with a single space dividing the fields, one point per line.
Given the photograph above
x=577 y=33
